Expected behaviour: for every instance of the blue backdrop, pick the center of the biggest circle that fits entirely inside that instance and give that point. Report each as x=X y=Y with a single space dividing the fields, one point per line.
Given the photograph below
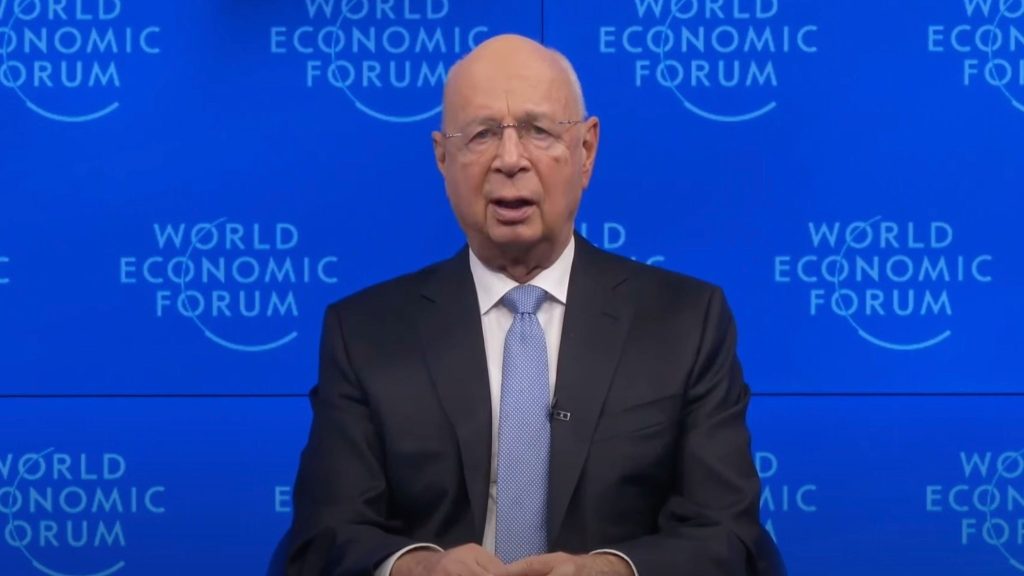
x=185 y=185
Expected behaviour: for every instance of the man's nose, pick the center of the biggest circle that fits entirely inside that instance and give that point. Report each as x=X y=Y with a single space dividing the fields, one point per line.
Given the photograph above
x=511 y=157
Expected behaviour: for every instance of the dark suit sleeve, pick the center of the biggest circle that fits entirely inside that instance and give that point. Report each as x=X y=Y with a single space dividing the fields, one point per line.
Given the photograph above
x=341 y=525
x=710 y=524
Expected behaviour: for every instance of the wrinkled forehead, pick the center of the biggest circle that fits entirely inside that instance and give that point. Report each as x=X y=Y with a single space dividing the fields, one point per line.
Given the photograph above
x=534 y=90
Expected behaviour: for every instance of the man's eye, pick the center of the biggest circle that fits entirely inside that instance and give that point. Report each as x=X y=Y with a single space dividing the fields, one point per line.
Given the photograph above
x=482 y=135
x=538 y=132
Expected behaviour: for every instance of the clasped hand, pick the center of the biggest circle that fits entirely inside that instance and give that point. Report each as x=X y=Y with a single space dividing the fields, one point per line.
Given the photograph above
x=473 y=560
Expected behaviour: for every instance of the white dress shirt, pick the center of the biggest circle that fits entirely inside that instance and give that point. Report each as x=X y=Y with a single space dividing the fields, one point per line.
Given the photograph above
x=496 y=319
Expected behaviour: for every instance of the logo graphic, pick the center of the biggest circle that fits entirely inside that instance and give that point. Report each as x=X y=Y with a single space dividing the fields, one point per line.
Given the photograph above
x=283 y=499
x=389 y=59
x=4 y=278
x=724 y=61
x=65 y=59
x=56 y=505
x=237 y=282
x=612 y=236
x=989 y=502
x=779 y=498
x=894 y=283
x=989 y=44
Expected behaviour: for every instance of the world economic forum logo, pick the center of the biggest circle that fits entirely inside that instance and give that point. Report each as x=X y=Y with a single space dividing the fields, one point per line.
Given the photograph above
x=988 y=44
x=988 y=502
x=388 y=59
x=64 y=59
x=723 y=61
x=780 y=498
x=894 y=283
x=69 y=514
x=239 y=283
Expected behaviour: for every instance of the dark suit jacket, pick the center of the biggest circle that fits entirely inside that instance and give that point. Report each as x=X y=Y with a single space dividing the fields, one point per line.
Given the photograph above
x=654 y=462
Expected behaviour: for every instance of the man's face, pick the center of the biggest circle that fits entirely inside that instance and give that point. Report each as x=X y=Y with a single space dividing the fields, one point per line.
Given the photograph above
x=515 y=196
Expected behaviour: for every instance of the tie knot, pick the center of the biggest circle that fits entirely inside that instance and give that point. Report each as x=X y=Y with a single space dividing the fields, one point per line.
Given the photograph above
x=524 y=299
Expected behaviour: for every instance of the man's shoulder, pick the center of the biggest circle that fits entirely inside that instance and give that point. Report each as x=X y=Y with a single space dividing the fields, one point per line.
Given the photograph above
x=671 y=303
x=647 y=279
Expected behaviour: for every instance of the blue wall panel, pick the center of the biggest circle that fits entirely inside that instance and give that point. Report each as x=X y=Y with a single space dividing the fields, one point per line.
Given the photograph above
x=821 y=161
x=146 y=486
x=199 y=228
x=889 y=485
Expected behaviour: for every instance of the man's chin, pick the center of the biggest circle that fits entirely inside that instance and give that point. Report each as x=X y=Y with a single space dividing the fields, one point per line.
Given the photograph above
x=518 y=238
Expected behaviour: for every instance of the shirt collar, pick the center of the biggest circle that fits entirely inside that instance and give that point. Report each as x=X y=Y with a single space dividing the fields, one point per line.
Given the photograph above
x=491 y=285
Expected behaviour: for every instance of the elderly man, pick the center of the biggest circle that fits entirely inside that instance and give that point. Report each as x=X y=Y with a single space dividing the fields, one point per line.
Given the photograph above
x=532 y=405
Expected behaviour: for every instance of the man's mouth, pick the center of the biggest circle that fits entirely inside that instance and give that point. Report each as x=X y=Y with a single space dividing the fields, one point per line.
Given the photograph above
x=513 y=204
x=512 y=210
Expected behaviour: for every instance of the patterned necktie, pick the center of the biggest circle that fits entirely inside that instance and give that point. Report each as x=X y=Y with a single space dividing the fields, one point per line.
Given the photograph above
x=524 y=432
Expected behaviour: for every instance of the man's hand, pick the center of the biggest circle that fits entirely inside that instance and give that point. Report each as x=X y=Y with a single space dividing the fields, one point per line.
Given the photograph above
x=561 y=564
x=466 y=560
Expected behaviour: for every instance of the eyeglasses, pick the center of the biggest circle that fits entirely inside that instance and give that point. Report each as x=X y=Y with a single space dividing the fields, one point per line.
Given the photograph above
x=483 y=138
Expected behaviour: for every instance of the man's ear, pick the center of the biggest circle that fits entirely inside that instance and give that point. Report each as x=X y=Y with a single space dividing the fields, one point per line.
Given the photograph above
x=591 y=136
x=440 y=154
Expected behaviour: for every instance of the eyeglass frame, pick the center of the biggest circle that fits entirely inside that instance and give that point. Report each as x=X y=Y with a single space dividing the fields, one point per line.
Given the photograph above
x=501 y=126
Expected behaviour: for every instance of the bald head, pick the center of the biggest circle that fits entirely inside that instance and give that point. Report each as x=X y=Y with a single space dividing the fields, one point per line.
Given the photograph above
x=510 y=65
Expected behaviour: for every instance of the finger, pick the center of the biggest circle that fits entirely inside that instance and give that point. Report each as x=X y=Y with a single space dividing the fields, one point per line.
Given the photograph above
x=463 y=567
x=532 y=566
x=489 y=562
x=564 y=565
x=565 y=569
x=471 y=568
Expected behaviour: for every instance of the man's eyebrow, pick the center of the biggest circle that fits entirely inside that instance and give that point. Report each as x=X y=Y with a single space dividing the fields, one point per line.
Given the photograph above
x=534 y=115
x=483 y=119
x=527 y=116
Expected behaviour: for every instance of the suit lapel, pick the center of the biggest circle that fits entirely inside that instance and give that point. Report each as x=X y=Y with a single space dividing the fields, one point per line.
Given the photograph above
x=596 y=320
x=452 y=337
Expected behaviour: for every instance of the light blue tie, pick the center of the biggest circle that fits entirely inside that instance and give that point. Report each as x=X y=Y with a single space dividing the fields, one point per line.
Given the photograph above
x=524 y=432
